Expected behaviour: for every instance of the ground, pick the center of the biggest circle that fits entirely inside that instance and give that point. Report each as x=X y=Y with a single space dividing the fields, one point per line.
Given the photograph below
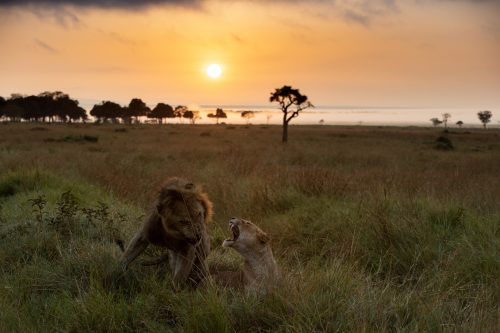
x=375 y=228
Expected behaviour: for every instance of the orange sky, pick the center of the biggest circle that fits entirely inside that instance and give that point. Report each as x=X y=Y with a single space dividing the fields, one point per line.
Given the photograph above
x=415 y=53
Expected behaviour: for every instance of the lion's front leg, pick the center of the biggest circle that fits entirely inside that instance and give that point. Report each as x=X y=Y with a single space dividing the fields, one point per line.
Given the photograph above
x=182 y=264
x=137 y=245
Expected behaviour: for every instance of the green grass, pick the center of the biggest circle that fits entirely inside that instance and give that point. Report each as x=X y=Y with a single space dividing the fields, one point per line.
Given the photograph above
x=374 y=229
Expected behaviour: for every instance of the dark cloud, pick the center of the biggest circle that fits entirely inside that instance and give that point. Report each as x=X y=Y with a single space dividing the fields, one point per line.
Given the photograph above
x=41 y=44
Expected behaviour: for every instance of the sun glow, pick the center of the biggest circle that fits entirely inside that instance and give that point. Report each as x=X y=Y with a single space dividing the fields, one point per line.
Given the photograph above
x=214 y=71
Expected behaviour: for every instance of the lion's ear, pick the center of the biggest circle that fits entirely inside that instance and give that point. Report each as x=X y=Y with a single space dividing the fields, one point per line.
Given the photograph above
x=263 y=237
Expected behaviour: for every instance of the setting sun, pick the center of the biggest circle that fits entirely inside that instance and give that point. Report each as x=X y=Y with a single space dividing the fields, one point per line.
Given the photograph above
x=214 y=71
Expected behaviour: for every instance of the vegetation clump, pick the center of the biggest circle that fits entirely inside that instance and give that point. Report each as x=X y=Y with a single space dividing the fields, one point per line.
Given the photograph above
x=444 y=143
x=75 y=138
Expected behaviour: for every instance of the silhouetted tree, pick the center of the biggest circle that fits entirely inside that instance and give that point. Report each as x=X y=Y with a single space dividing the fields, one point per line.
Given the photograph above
x=136 y=108
x=288 y=98
x=248 y=115
x=219 y=113
x=160 y=111
x=193 y=116
x=13 y=111
x=52 y=102
x=321 y=121
x=67 y=109
x=47 y=105
x=485 y=117
x=460 y=123
x=3 y=102
x=436 y=122
x=179 y=111
x=446 y=116
x=107 y=110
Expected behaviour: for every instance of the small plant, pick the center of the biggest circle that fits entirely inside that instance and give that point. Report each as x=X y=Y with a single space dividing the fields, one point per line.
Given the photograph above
x=38 y=205
x=67 y=208
x=105 y=221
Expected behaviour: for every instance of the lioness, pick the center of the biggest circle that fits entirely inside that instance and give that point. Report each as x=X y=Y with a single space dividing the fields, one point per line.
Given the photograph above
x=260 y=271
x=177 y=221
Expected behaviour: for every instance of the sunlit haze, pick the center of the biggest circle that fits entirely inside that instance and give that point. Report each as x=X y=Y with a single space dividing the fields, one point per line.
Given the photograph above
x=378 y=57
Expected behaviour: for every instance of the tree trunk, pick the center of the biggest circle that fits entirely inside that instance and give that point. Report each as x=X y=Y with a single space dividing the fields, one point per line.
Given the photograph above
x=284 y=139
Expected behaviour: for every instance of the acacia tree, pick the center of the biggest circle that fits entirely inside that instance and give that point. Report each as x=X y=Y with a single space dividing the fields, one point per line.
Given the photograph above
x=485 y=117
x=219 y=113
x=160 y=111
x=193 y=116
x=446 y=116
x=291 y=103
x=248 y=115
x=460 y=123
x=436 y=122
x=107 y=110
x=2 y=104
x=136 y=108
x=179 y=111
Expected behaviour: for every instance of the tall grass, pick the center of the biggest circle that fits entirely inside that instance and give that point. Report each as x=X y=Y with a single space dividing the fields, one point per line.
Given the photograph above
x=374 y=229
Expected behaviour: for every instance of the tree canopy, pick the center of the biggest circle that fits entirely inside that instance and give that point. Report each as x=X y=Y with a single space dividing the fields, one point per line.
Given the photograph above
x=107 y=110
x=436 y=121
x=248 y=115
x=484 y=117
x=137 y=108
x=219 y=113
x=291 y=102
x=161 y=111
x=47 y=105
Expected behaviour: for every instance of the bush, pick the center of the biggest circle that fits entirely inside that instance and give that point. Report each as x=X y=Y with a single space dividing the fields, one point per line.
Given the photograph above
x=443 y=143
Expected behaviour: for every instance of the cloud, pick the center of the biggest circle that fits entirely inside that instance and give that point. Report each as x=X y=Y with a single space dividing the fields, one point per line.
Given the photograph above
x=126 y=4
x=364 y=11
x=62 y=16
x=356 y=17
x=41 y=44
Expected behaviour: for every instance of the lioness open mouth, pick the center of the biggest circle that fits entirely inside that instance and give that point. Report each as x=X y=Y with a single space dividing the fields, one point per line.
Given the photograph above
x=235 y=230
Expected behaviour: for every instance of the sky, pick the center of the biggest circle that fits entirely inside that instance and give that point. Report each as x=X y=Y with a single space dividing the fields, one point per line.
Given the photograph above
x=352 y=53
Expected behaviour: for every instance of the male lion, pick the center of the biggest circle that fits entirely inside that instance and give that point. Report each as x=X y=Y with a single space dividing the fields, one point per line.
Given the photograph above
x=178 y=222
x=260 y=271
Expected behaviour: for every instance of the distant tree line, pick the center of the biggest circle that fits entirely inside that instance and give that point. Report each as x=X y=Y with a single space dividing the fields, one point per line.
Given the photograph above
x=112 y=112
x=45 y=107
x=484 y=118
x=59 y=107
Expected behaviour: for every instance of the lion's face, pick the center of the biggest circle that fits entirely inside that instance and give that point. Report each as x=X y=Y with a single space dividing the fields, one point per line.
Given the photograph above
x=183 y=219
x=246 y=236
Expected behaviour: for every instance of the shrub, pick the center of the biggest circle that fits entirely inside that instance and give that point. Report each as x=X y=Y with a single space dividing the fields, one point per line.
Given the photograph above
x=443 y=143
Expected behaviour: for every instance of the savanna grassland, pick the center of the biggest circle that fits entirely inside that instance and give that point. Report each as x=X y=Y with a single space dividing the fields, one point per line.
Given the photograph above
x=374 y=228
